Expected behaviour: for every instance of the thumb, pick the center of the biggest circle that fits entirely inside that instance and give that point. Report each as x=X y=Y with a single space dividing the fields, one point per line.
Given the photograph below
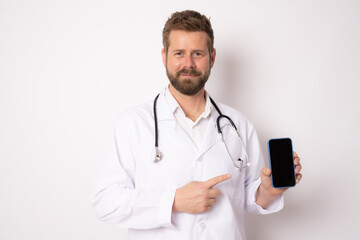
x=266 y=172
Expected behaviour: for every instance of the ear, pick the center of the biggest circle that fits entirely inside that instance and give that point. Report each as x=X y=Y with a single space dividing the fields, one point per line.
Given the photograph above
x=213 y=55
x=163 y=54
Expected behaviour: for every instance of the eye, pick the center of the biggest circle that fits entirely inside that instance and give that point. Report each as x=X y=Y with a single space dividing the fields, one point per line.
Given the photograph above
x=198 y=54
x=178 y=54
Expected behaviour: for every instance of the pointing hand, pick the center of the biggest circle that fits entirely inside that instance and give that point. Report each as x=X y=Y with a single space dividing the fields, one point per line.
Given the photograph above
x=198 y=197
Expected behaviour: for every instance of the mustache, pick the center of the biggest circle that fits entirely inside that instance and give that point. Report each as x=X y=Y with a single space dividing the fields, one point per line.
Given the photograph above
x=190 y=72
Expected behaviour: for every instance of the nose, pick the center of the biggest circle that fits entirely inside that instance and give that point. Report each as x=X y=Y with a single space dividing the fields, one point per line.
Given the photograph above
x=189 y=62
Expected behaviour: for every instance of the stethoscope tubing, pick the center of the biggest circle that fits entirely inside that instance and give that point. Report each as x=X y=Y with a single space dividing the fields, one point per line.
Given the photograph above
x=157 y=153
x=156 y=122
x=221 y=116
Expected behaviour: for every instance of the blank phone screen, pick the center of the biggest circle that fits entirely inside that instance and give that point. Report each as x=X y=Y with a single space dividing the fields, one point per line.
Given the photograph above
x=282 y=162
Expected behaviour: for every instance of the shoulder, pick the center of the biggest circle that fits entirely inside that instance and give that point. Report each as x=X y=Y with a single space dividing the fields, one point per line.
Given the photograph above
x=234 y=114
x=242 y=123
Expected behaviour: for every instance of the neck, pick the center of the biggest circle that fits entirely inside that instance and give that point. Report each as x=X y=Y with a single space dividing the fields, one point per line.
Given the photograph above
x=193 y=106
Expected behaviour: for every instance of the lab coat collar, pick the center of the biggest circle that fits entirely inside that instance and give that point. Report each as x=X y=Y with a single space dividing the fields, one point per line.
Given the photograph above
x=174 y=105
x=167 y=105
x=163 y=109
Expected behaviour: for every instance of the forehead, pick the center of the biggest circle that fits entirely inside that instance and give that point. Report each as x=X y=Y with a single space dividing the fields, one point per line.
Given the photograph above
x=179 y=39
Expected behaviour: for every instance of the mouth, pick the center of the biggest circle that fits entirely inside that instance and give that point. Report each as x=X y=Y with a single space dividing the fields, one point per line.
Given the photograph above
x=188 y=73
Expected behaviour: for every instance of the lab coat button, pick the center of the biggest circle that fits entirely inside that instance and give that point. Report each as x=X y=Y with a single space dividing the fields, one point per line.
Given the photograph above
x=203 y=225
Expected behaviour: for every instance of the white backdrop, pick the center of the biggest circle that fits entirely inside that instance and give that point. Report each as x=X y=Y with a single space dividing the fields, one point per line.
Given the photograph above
x=68 y=68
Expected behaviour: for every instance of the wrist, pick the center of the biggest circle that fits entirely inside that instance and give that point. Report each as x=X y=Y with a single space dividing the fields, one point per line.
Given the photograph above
x=264 y=196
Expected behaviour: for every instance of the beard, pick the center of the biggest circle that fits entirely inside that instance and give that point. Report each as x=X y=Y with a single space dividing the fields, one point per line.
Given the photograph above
x=188 y=86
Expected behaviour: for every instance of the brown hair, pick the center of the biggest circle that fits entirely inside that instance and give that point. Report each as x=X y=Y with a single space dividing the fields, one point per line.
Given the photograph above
x=190 y=21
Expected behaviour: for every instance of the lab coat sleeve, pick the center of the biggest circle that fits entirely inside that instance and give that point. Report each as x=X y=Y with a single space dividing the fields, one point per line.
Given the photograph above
x=117 y=200
x=253 y=180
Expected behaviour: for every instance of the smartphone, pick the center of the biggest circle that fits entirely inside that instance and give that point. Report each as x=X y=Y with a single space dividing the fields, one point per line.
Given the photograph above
x=282 y=166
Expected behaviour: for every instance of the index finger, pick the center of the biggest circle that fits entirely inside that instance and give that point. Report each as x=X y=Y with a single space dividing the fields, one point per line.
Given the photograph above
x=216 y=180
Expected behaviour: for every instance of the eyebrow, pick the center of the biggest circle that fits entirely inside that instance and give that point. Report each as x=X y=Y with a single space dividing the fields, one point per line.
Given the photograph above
x=195 y=50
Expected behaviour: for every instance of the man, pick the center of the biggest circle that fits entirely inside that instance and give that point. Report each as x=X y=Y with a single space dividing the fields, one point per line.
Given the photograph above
x=195 y=189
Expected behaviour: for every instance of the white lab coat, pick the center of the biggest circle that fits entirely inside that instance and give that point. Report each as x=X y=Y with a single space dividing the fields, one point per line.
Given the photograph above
x=136 y=193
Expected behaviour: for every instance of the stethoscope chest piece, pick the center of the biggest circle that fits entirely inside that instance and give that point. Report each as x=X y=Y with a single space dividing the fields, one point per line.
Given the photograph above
x=156 y=155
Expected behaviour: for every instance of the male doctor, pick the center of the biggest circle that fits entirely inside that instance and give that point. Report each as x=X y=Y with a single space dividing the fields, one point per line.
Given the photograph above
x=195 y=190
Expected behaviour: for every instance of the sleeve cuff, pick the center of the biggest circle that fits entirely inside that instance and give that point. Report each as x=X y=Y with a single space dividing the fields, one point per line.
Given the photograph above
x=252 y=207
x=166 y=205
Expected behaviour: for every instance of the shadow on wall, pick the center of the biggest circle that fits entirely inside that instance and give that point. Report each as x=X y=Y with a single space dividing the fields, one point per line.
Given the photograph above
x=227 y=78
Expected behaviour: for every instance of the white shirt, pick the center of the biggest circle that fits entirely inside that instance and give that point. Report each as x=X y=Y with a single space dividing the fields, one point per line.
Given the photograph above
x=196 y=130
x=134 y=192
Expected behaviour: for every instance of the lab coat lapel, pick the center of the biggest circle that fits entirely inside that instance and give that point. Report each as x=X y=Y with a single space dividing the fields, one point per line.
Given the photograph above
x=212 y=136
x=165 y=115
x=163 y=109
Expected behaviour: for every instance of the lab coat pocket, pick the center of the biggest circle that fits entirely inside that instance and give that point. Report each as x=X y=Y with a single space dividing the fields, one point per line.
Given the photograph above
x=235 y=185
x=218 y=163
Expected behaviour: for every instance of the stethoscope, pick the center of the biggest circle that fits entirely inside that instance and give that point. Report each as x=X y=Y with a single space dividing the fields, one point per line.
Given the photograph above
x=238 y=163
